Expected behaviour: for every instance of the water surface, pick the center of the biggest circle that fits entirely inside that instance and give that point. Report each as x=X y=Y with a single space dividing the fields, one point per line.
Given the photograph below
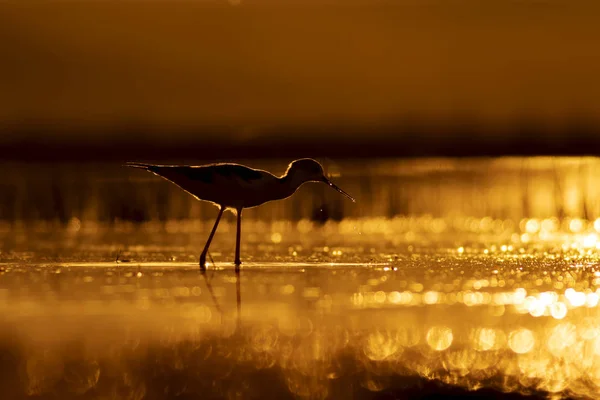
x=495 y=296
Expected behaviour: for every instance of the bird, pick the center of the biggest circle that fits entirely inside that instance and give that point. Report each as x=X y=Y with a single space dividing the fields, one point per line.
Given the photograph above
x=235 y=187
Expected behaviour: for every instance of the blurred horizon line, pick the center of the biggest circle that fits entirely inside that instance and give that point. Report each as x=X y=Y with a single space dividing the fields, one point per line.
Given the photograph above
x=48 y=143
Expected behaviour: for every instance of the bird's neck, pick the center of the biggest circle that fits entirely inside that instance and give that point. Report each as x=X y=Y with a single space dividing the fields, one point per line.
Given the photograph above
x=289 y=183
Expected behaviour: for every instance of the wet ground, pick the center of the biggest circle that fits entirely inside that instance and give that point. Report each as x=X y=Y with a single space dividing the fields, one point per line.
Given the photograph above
x=363 y=307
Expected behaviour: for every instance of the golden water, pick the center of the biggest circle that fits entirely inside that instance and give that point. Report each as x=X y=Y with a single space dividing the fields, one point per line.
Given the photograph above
x=346 y=309
x=371 y=305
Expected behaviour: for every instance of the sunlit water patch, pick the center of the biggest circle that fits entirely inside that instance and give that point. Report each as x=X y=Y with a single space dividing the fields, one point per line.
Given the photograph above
x=334 y=314
x=446 y=276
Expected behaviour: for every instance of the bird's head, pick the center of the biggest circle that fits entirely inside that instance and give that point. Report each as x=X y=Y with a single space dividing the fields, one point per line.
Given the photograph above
x=309 y=170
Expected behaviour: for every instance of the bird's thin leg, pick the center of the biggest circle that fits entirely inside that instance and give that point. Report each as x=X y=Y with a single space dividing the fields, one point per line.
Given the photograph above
x=238 y=262
x=210 y=237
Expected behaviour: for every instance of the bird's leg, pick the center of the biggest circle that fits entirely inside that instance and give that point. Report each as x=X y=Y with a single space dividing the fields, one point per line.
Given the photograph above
x=238 y=262
x=210 y=237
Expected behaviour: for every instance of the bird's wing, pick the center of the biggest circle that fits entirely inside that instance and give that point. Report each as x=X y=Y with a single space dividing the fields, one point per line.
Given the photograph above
x=240 y=173
x=214 y=175
x=219 y=183
x=208 y=174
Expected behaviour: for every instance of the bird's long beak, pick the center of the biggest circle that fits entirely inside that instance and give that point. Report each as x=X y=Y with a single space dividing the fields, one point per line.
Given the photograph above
x=327 y=181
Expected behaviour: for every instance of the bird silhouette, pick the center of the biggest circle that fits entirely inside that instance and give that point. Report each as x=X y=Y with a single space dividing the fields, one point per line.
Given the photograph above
x=235 y=187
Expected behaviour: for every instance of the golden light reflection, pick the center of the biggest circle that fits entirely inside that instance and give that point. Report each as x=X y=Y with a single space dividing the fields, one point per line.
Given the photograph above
x=511 y=303
x=521 y=341
x=397 y=322
x=276 y=237
x=558 y=310
x=381 y=345
x=485 y=339
x=561 y=339
x=439 y=337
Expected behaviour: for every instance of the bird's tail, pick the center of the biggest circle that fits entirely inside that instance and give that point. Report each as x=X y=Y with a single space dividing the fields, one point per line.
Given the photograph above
x=139 y=165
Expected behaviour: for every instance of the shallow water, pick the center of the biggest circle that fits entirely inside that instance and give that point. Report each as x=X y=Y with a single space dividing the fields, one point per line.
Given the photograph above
x=367 y=306
x=403 y=313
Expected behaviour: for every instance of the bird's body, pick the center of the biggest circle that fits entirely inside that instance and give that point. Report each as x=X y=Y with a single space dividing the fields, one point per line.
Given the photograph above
x=236 y=186
x=226 y=185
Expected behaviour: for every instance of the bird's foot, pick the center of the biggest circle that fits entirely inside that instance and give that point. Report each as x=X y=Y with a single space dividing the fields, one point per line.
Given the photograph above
x=237 y=264
x=203 y=262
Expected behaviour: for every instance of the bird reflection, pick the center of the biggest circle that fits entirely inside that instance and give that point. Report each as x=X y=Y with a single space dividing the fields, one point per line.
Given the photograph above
x=238 y=292
x=214 y=298
x=211 y=291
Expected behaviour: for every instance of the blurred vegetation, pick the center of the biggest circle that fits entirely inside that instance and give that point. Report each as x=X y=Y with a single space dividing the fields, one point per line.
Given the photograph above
x=511 y=188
